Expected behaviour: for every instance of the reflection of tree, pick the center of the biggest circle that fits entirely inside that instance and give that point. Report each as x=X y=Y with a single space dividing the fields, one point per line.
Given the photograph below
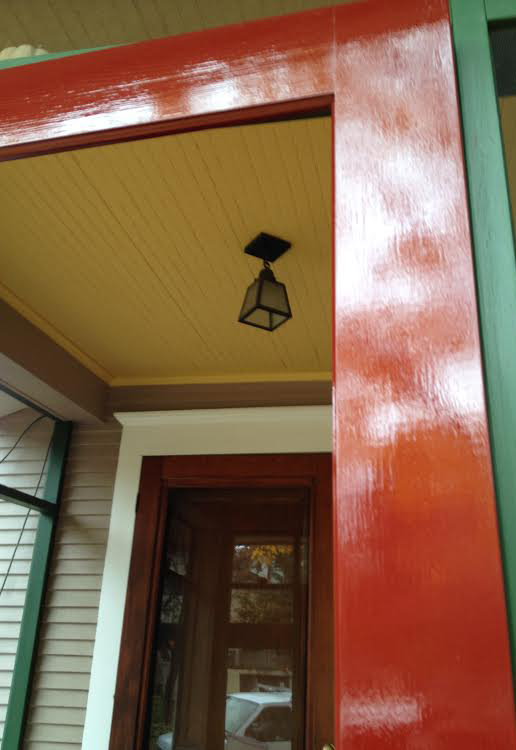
x=172 y=600
x=263 y=563
x=264 y=566
x=254 y=607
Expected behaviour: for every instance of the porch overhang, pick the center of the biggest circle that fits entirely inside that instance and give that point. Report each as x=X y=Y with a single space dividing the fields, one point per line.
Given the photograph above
x=39 y=370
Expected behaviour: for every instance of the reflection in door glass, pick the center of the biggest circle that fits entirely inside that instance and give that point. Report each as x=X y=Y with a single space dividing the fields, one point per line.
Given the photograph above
x=261 y=606
x=228 y=668
x=263 y=563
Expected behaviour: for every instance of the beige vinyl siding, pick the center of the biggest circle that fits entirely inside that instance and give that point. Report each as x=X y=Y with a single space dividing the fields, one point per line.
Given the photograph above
x=62 y=674
x=22 y=470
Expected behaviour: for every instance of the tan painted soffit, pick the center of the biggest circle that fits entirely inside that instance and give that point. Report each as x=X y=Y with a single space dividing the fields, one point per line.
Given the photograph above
x=35 y=367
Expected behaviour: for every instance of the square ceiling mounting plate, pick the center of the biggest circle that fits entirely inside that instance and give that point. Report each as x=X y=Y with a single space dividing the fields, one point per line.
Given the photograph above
x=267 y=247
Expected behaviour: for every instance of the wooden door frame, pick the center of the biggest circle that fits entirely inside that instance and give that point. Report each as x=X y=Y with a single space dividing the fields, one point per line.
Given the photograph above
x=312 y=471
x=412 y=456
x=305 y=429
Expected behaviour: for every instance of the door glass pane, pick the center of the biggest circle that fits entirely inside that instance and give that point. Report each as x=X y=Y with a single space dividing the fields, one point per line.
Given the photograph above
x=228 y=667
x=252 y=606
x=263 y=563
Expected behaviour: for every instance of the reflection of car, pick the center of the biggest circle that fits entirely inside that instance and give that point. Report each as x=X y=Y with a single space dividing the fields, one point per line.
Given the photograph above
x=253 y=720
x=165 y=741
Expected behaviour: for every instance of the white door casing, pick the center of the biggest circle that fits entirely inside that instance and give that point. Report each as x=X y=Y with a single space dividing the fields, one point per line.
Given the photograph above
x=290 y=429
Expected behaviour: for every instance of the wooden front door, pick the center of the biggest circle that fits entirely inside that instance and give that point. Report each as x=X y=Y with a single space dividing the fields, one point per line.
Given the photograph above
x=421 y=650
x=228 y=630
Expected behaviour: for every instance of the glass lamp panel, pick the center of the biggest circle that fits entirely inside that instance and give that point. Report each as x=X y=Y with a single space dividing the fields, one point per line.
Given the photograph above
x=274 y=295
x=277 y=320
x=250 y=299
x=259 y=318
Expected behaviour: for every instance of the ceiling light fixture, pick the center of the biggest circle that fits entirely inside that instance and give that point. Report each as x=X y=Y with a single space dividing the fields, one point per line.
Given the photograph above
x=266 y=302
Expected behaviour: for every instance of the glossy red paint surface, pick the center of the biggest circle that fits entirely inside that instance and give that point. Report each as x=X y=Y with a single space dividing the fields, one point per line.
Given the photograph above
x=422 y=660
x=148 y=84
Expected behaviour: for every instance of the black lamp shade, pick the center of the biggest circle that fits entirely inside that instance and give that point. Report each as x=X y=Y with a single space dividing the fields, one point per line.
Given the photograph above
x=266 y=303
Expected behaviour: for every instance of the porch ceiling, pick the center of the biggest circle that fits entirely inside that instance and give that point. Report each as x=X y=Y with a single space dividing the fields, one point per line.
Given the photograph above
x=60 y=25
x=131 y=256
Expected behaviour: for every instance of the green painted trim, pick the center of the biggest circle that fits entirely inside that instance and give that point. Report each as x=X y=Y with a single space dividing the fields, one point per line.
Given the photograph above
x=11 y=495
x=500 y=10
x=26 y=651
x=495 y=265
x=19 y=693
x=56 y=459
x=4 y=64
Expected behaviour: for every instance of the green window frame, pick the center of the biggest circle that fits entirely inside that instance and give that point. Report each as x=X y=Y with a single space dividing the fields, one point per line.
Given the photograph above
x=48 y=508
x=500 y=10
x=494 y=257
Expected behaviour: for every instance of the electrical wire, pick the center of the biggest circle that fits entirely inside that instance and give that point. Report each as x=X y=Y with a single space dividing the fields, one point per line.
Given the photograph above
x=6 y=576
x=16 y=546
x=25 y=431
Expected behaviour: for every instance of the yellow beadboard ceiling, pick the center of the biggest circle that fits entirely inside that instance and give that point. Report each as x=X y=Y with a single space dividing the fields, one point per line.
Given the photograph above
x=130 y=256
x=508 y=119
x=60 y=25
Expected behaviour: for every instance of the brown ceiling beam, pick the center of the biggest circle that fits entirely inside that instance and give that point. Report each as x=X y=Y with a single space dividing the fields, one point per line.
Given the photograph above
x=218 y=396
x=38 y=369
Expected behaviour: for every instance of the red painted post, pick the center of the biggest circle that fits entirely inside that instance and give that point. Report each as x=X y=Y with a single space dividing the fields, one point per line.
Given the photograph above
x=423 y=659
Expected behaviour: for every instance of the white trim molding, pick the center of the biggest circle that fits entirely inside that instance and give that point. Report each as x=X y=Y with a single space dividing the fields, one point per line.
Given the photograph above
x=296 y=429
